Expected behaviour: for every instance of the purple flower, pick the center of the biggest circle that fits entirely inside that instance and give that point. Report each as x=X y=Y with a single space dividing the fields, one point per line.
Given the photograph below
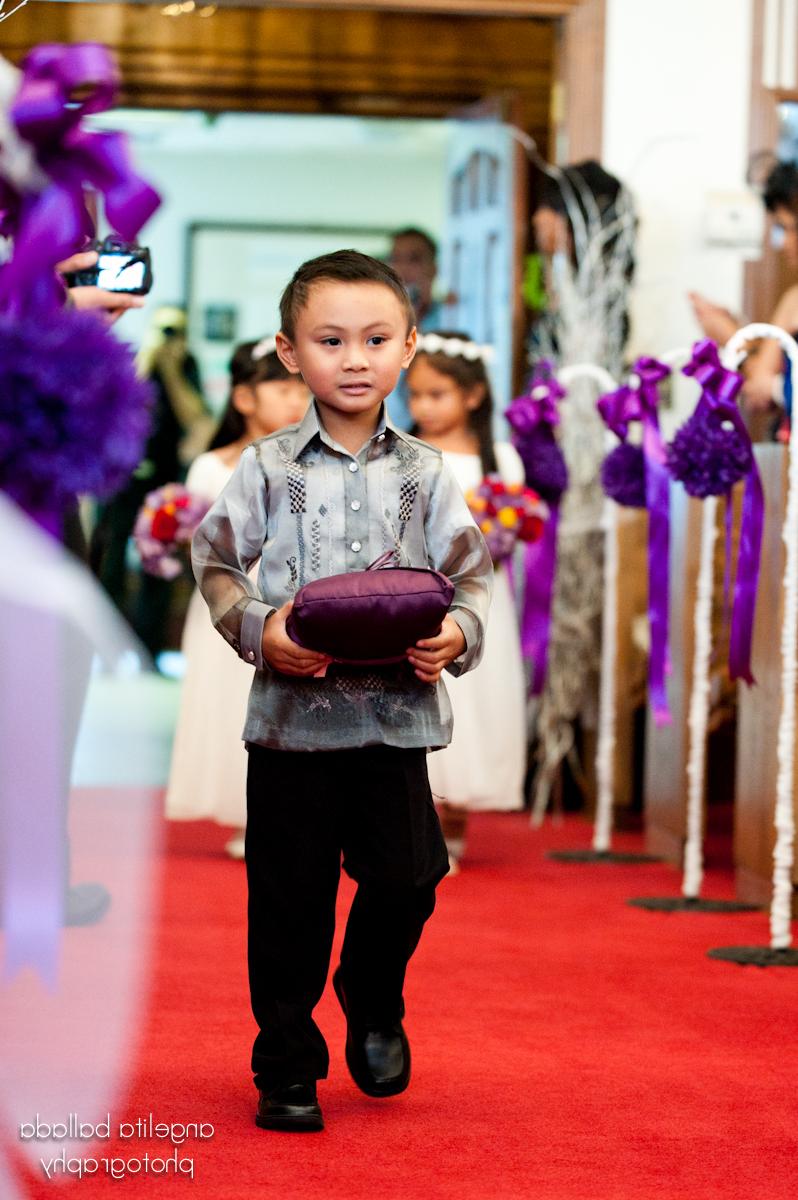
x=709 y=454
x=74 y=416
x=500 y=543
x=623 y=475
x=544 y=463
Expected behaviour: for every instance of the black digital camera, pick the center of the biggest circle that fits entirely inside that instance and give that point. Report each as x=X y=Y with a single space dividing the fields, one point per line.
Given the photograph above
x=120 y=267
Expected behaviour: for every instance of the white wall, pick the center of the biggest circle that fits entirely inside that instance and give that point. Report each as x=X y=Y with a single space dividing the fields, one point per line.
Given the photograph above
x=281 y=170
x=677 y=86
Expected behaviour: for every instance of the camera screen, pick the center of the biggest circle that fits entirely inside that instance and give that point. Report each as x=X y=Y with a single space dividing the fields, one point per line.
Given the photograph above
x=119 y=272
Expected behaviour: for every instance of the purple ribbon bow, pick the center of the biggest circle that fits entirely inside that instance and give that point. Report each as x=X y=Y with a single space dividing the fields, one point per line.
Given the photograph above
x=538 y=406
x=538 y=409
x=719 y=385
x=618 y=409
x=50 y=225
x=719 y=390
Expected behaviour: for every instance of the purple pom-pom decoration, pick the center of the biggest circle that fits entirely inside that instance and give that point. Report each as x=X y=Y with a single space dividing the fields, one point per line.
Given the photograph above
x=709 y=454
x=544 y=464
x=623 y=475
x=74 y=416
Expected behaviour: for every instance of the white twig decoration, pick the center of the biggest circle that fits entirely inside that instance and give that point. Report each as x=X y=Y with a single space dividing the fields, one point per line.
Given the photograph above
x=783 y=854
x=605 y=748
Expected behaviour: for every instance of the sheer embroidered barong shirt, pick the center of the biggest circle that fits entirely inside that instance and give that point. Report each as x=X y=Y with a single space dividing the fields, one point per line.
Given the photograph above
x=307 y=508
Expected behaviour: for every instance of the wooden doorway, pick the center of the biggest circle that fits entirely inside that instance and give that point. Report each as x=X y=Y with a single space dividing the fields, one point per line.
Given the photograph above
x=384 y=58
x=375 y=58
x=371 y=62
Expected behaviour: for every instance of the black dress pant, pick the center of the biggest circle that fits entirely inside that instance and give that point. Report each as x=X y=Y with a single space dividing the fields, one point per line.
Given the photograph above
x=304 y=811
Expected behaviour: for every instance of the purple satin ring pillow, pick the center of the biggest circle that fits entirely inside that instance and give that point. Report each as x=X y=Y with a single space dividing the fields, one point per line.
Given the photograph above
x=370 y=617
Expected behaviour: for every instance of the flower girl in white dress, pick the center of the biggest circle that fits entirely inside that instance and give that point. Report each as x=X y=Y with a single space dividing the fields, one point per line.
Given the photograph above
x=484 y=765
x=207 y=779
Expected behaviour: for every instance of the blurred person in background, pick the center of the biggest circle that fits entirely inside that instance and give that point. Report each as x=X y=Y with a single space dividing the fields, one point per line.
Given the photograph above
x=763 y=391
x=414 y=257
x=181 y=428
x=585 y=227
x=208 y=775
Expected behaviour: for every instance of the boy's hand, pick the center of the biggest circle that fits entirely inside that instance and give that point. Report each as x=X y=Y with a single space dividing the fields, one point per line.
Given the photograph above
x=429 y=656
x=282 y=654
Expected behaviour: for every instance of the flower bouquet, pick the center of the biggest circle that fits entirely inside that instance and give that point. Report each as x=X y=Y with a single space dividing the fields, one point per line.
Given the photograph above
x=164 y=528
x=506 y=513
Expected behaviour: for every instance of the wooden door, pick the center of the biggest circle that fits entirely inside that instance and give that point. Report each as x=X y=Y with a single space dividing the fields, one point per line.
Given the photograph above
x=483 y=243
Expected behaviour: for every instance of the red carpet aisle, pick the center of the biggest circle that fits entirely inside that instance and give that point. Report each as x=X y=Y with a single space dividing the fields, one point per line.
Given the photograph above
x=566 y=1046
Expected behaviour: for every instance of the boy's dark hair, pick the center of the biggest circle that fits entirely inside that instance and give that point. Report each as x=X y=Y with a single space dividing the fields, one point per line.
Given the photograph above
x=414 y=231
x=244 y=369
x=342 y=266
x=468 y=373
x=781 y=188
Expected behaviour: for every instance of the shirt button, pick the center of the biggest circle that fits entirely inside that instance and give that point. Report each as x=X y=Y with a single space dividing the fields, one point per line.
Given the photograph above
x=355 y=506
x=353 y=467
x=356 y=546
x=381 y=437
x=251 y=655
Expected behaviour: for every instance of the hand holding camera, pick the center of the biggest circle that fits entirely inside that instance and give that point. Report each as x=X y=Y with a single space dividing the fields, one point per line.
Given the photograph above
x=118 y=267
x=110 y=277
x=109 y=305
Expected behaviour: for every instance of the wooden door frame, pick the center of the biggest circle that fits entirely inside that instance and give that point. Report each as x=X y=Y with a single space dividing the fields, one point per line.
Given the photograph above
x=578 y=100
x=573 y=122
x=465 y=8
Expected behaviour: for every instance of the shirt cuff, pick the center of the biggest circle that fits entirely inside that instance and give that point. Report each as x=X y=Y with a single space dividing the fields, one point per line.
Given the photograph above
x=251 y=641
x=470 y=630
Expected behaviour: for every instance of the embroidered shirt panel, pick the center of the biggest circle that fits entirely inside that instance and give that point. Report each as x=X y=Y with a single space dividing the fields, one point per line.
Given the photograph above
x=307 y=508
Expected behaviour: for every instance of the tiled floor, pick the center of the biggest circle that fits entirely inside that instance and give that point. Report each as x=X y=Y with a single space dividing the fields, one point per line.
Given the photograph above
x=126 y=731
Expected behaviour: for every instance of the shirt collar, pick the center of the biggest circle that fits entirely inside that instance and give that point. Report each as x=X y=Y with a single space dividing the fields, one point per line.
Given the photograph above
x=310 y=427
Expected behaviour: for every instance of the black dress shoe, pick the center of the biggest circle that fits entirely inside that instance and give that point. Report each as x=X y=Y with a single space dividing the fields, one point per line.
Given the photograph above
x=293 y=1109
x=378 y=1057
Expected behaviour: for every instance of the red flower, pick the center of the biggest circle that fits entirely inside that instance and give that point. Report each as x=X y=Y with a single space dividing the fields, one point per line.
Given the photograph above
x=531 y=529
x=164 y=526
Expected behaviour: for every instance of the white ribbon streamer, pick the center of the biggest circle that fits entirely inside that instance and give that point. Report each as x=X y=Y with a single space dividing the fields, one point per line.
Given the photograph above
x=699 y=703
x=783 y=854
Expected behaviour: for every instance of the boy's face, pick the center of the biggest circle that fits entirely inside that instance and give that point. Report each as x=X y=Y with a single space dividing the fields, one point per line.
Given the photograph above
x=350 y=343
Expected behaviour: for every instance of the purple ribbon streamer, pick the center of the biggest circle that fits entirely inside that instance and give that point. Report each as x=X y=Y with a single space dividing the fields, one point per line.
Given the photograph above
x=540 y=561
x=32 y=795
x=747 y=580
x=720 y=388
x=618 y=409
x=49 y=226
x=539 y=407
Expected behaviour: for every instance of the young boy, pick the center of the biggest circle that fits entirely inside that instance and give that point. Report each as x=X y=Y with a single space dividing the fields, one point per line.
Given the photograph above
x=337 y=765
